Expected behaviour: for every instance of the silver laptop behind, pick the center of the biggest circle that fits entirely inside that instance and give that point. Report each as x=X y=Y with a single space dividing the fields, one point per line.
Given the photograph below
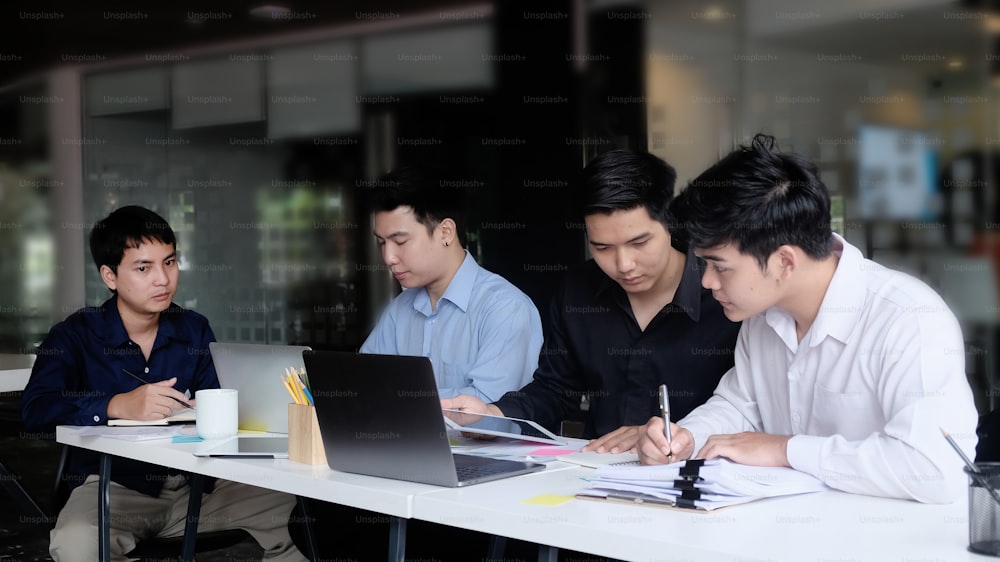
x=255 y=371
x=380 y=415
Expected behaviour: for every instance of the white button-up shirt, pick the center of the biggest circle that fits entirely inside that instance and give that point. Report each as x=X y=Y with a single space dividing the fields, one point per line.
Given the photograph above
x=864 y=393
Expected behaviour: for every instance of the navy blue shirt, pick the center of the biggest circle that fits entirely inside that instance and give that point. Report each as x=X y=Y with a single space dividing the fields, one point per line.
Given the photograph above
x=597 y=357
x=80 y=367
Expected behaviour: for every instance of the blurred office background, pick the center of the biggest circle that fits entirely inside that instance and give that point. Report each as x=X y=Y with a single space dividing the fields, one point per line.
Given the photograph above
x=257 y=131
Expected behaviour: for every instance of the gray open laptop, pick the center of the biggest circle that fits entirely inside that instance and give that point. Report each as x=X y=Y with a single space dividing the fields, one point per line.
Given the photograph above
x=255 y=370
x=380 y=415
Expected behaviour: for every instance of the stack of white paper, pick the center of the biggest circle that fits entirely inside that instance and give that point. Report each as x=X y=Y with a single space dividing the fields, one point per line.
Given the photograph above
x=717 y=483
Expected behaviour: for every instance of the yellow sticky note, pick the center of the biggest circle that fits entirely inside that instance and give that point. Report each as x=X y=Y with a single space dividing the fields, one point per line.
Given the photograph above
x=548 y=499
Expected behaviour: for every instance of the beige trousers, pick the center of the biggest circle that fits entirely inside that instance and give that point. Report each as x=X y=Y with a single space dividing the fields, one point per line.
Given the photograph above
x=134 y=516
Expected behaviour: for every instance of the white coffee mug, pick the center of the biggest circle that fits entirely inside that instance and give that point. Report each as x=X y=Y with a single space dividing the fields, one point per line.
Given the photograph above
x=216 y=413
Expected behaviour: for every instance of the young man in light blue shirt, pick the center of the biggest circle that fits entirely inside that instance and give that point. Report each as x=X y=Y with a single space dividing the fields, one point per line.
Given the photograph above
x=481 y=333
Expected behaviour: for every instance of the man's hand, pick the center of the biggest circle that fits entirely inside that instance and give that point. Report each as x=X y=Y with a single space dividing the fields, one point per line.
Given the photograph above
x=751 y=448
x=652 y=447
x=152 y=401
x=618 y=441
x=469 y=405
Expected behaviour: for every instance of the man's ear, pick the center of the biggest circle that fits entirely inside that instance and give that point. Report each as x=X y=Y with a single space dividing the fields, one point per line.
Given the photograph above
x=788 y=260
x=109 y=277
x=448 y=235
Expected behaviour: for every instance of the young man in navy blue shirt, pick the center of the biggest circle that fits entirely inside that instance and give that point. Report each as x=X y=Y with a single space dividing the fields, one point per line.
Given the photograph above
x=79 y=378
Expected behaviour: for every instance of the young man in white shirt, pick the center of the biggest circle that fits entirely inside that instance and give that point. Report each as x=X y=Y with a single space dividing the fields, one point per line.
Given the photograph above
x=843 y=369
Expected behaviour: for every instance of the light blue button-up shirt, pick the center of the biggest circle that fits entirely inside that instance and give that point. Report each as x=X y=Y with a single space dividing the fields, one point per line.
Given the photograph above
x=483 y=339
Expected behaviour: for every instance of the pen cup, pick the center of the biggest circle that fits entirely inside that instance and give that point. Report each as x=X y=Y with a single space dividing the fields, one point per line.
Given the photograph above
x=305 y=444
x=984 y=510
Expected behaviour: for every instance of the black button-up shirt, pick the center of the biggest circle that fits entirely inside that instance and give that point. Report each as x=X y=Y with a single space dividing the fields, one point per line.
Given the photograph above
x=596 y=349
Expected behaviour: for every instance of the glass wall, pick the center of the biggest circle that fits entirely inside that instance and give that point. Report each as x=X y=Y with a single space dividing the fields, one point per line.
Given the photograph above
x=27 y=254
x=260 y=153
x=257 y=158
x=895 y=101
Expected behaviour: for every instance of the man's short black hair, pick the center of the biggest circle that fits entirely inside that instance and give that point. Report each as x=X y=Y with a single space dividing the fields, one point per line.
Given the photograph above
x=127 y=227
x=758 y=199
x=622 y=180
x=423 y=190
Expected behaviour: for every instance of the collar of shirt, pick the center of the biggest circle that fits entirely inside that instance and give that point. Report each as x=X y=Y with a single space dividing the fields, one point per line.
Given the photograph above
x=112 y=329
x=459 y=291
x=687 y=297
x=839 y=311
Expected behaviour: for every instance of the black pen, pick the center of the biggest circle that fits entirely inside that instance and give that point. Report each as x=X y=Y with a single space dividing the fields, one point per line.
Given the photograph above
x=140 y=379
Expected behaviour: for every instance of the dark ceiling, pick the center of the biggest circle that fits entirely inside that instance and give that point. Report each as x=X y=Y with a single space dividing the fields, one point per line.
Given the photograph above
x=36 y=36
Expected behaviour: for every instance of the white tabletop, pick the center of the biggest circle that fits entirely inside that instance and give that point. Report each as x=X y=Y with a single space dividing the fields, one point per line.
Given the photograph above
x=391 y=497
x=824 y=527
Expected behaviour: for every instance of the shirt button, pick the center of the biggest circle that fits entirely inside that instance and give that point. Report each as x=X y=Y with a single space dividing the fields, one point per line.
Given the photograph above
x=796 y=418
x=146 y=370
x=97 y=418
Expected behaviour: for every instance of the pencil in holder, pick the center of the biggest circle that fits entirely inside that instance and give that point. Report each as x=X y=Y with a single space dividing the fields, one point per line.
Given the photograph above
x=305 y=444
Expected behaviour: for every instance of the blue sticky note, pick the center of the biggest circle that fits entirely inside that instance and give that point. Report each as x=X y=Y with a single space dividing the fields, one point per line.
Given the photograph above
x=186 y=439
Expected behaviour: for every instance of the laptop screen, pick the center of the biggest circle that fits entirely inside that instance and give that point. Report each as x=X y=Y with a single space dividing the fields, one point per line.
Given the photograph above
x=255 y=370
x=380 y=415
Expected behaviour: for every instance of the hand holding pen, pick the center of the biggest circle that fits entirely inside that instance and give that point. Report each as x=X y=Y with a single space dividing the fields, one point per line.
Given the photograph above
x=660 y=441
x=149 y=401
x=143 y=381
x=665 y=414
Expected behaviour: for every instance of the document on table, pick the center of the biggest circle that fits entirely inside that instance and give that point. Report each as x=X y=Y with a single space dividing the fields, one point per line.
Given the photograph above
x=593 y=459
x=186 y=415
x=138 y=433
x=698 y=484
x=506 y=448
x=533 y=452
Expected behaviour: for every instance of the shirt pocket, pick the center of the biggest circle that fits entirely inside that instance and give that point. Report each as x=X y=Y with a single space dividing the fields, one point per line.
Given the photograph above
x=852 y=414
x=455 y=375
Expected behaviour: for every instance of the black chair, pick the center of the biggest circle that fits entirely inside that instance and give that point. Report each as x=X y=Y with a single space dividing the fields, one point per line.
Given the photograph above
x=27 y=504
x=158 y=549
x=988 y=448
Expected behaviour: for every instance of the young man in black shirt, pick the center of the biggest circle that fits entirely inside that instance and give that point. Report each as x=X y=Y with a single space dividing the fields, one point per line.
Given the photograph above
x=630 y=319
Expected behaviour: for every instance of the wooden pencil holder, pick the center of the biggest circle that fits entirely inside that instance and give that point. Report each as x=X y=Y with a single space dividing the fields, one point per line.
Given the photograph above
x=305 y=445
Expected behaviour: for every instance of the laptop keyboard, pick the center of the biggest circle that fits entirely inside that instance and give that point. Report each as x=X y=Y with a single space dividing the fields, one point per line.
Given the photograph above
x=468 y=467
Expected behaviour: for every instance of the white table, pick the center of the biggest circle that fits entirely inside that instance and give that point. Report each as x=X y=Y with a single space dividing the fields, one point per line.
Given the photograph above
x=390 y=497
x=828 y=526
x=820 y=527
x=14 y=371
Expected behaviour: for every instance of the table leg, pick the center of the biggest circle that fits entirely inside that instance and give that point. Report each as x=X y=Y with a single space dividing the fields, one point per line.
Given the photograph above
x=547 y=553
x=397 y=539
x=104 y=510
x=496 y=548
x=196 y=484
x=308 y=526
